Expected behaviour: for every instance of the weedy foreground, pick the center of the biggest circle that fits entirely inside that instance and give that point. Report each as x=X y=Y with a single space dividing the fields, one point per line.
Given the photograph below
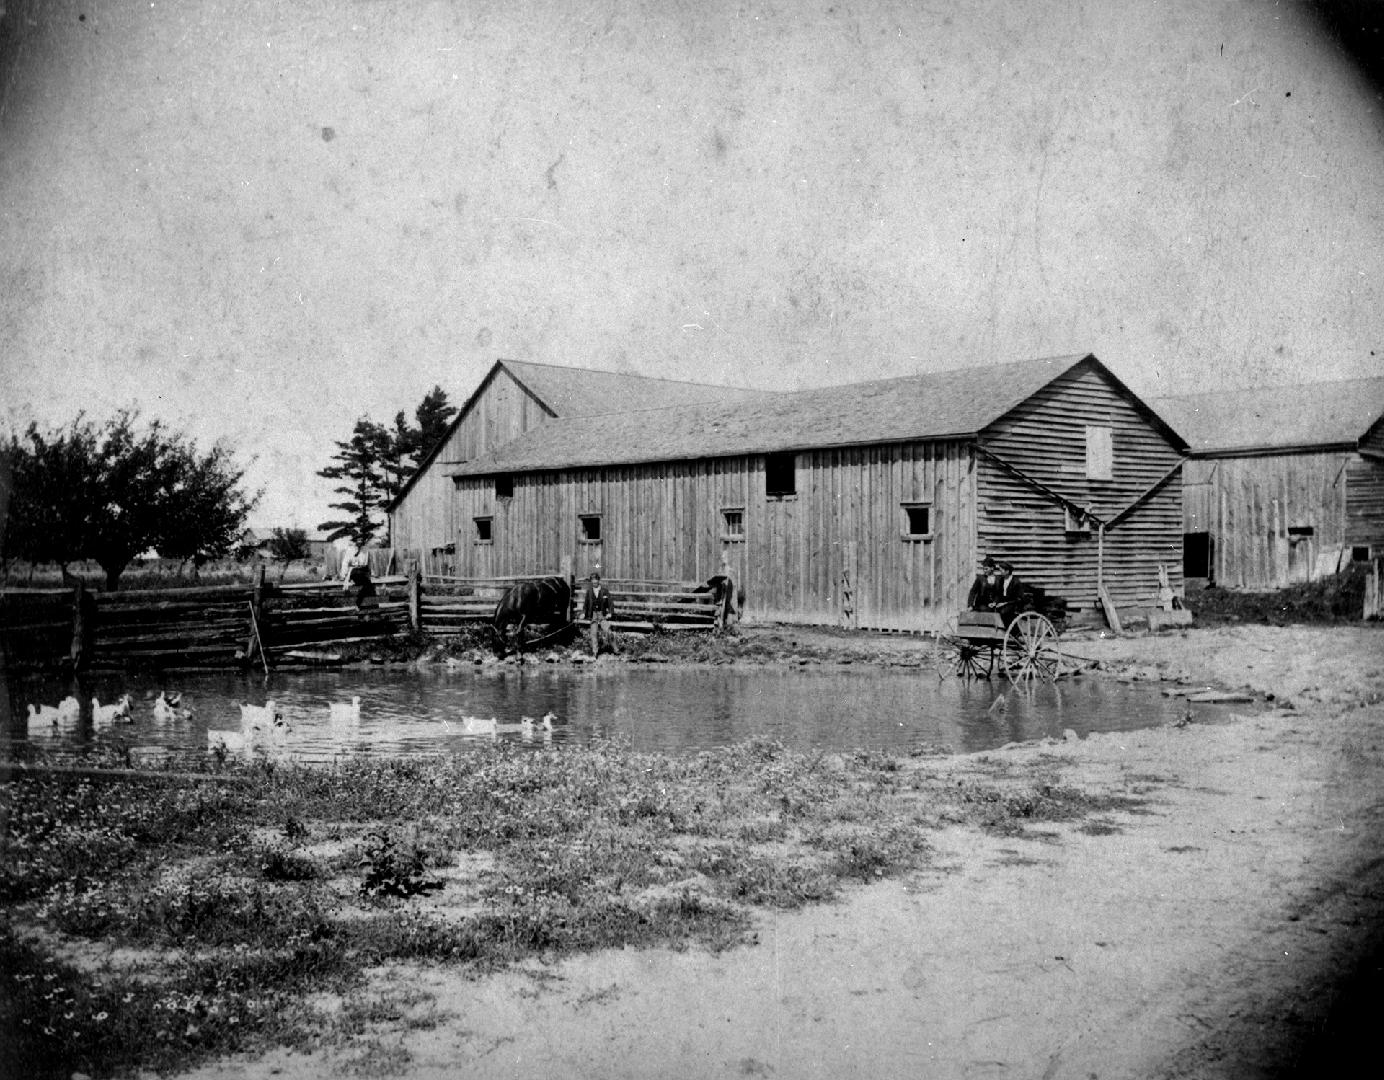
x=157 y=921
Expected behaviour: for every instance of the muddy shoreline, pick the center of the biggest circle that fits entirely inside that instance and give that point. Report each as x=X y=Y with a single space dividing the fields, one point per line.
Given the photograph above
x=1222 y=929
x=1214 y=911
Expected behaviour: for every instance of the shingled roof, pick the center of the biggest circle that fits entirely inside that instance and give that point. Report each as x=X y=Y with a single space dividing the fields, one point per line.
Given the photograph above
x=1307 y=415
x=943 y=404
x=570 y=391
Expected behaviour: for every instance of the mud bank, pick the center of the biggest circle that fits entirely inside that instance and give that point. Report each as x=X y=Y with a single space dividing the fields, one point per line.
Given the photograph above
x=1222 y=924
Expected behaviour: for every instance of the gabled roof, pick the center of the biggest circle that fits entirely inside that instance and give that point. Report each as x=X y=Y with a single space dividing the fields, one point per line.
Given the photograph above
x=1304 y=416
x=937 y=405
x=570 y=391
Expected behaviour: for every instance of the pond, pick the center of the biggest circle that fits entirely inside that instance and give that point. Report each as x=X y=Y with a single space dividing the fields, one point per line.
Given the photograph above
x=678 y=710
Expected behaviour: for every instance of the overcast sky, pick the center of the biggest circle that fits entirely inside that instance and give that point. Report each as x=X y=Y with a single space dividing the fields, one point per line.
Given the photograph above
x=261 y=220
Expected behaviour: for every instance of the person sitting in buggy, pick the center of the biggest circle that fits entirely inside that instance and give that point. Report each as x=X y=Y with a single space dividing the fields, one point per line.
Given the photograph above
x=997 y=589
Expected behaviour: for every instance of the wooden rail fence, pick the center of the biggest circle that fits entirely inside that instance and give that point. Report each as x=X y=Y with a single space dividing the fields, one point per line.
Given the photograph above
x=270 y=625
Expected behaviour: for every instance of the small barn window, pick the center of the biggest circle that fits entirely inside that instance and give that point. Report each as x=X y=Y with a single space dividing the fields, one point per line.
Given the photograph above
x=483 y=534
x=590 y=528
x=1360 y=553
x=780 y=475
x=1075 y=521
x=733 y=523
x=1100 y=452
x=917 y=521
x=504 y=487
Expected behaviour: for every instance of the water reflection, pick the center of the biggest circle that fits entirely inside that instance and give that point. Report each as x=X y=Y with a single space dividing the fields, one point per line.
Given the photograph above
x=674 y=710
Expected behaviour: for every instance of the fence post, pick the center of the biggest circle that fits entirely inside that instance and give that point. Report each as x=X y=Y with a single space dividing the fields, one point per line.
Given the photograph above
x=256 y=635
x=568 y=576
x=415 y=595
x=83 y=612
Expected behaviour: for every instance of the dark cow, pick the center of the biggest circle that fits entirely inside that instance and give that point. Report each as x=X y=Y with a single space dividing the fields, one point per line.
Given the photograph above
x=543 y=600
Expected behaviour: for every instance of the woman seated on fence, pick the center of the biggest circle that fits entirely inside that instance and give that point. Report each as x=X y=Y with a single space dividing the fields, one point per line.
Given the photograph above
x=355 y=573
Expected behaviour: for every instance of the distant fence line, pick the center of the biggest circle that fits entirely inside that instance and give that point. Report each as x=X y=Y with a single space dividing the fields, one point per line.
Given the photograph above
x=268 y=624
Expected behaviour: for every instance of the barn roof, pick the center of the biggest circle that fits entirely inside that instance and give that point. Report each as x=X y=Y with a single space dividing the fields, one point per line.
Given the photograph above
x=942 y=404
x=1307 y=415
x=571 y=391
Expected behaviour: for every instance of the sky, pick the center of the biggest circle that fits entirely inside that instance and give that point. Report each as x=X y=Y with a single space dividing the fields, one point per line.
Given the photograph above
x=261 y=220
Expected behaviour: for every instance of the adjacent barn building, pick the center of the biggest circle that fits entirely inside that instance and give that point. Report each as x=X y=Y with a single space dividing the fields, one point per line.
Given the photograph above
x=1284 y=483
x=514 y=397
x=868 y=504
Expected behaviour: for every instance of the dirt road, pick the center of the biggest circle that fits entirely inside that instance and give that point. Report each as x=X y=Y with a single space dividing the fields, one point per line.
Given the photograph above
x=1225 y=925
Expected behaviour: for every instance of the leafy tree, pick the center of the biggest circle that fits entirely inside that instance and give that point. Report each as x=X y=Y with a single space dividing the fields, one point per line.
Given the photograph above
x=289 y=545
x=111 y=491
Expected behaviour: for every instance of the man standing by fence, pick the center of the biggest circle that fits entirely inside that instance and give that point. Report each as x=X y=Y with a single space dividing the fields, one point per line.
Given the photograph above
x=597 y=609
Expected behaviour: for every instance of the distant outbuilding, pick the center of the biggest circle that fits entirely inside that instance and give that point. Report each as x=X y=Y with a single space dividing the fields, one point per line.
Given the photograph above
x=1284 y=484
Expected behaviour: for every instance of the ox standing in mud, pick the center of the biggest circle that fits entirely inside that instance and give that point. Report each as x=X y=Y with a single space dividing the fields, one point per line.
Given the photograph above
x=543 y=600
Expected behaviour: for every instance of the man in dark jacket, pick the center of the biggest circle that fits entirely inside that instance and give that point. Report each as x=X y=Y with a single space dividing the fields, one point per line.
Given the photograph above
x=597 y=608
x=984 y=587
x=1009 y=594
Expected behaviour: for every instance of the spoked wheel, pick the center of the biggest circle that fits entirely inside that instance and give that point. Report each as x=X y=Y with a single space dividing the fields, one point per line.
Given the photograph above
x=1031 y=650
x=956 y=655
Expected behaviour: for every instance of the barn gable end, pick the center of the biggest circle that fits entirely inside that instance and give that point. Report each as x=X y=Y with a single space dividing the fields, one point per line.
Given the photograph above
x=1081 y=452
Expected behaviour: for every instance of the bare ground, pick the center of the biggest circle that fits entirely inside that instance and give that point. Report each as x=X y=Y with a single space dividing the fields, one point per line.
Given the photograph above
x=1226 y=925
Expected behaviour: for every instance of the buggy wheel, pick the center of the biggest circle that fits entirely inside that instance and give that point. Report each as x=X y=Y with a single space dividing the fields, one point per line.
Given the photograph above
x=955 y=655
x=1030 y=649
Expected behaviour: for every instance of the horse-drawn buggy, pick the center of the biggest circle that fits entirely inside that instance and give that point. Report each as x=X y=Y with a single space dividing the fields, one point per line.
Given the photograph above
x=1026 y=647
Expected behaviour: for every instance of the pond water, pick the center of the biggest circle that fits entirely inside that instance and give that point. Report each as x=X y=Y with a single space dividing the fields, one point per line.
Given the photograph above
x=656 y=709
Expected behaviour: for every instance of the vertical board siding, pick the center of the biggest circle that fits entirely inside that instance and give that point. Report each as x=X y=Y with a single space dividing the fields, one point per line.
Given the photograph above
x=664 y=521
x=426 y=517
x=1253 y=502
x=1045 y=438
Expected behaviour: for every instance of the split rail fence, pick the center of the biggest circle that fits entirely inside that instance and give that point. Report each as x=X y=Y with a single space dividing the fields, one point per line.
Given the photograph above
x=273 y=625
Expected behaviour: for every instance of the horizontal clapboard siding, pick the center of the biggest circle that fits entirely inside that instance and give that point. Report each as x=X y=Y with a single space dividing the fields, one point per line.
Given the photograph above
x=1045 y=439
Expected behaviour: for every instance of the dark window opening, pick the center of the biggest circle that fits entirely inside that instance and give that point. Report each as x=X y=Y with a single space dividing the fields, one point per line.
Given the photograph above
x=1301 y=530
x=1196 y=555
x=482 y=530
x=780 y=475
x=917 y=521
x=504 y=487
x=590 y=528
x=1076 y=522
x=1359 y=553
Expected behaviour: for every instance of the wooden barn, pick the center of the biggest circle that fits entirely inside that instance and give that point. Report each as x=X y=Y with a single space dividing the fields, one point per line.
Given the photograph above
x=513 y=397
x=1284 y=483
x=867 y=504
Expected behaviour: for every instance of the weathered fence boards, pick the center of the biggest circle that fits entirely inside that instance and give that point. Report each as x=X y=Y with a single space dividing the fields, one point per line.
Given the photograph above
x=213 y=627
x=206 y=626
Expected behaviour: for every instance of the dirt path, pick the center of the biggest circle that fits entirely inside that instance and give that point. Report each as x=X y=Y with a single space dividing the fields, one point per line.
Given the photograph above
x=1208 y=932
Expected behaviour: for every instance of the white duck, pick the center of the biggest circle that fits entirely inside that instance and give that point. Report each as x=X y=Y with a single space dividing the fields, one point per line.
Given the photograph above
x=105 y=715
x=263 y=724
x=167 y=706
x=475 y=725
x=529 y=724
x=44 y=719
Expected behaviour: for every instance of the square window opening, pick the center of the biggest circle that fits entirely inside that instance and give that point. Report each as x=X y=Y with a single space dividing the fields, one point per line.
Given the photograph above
x=1075 y=522
x=504 y=487
x=733 y=523
x=780 y=475
x=483 y=533
x=590 y=528
x=1359 y=553
x=917 y=521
